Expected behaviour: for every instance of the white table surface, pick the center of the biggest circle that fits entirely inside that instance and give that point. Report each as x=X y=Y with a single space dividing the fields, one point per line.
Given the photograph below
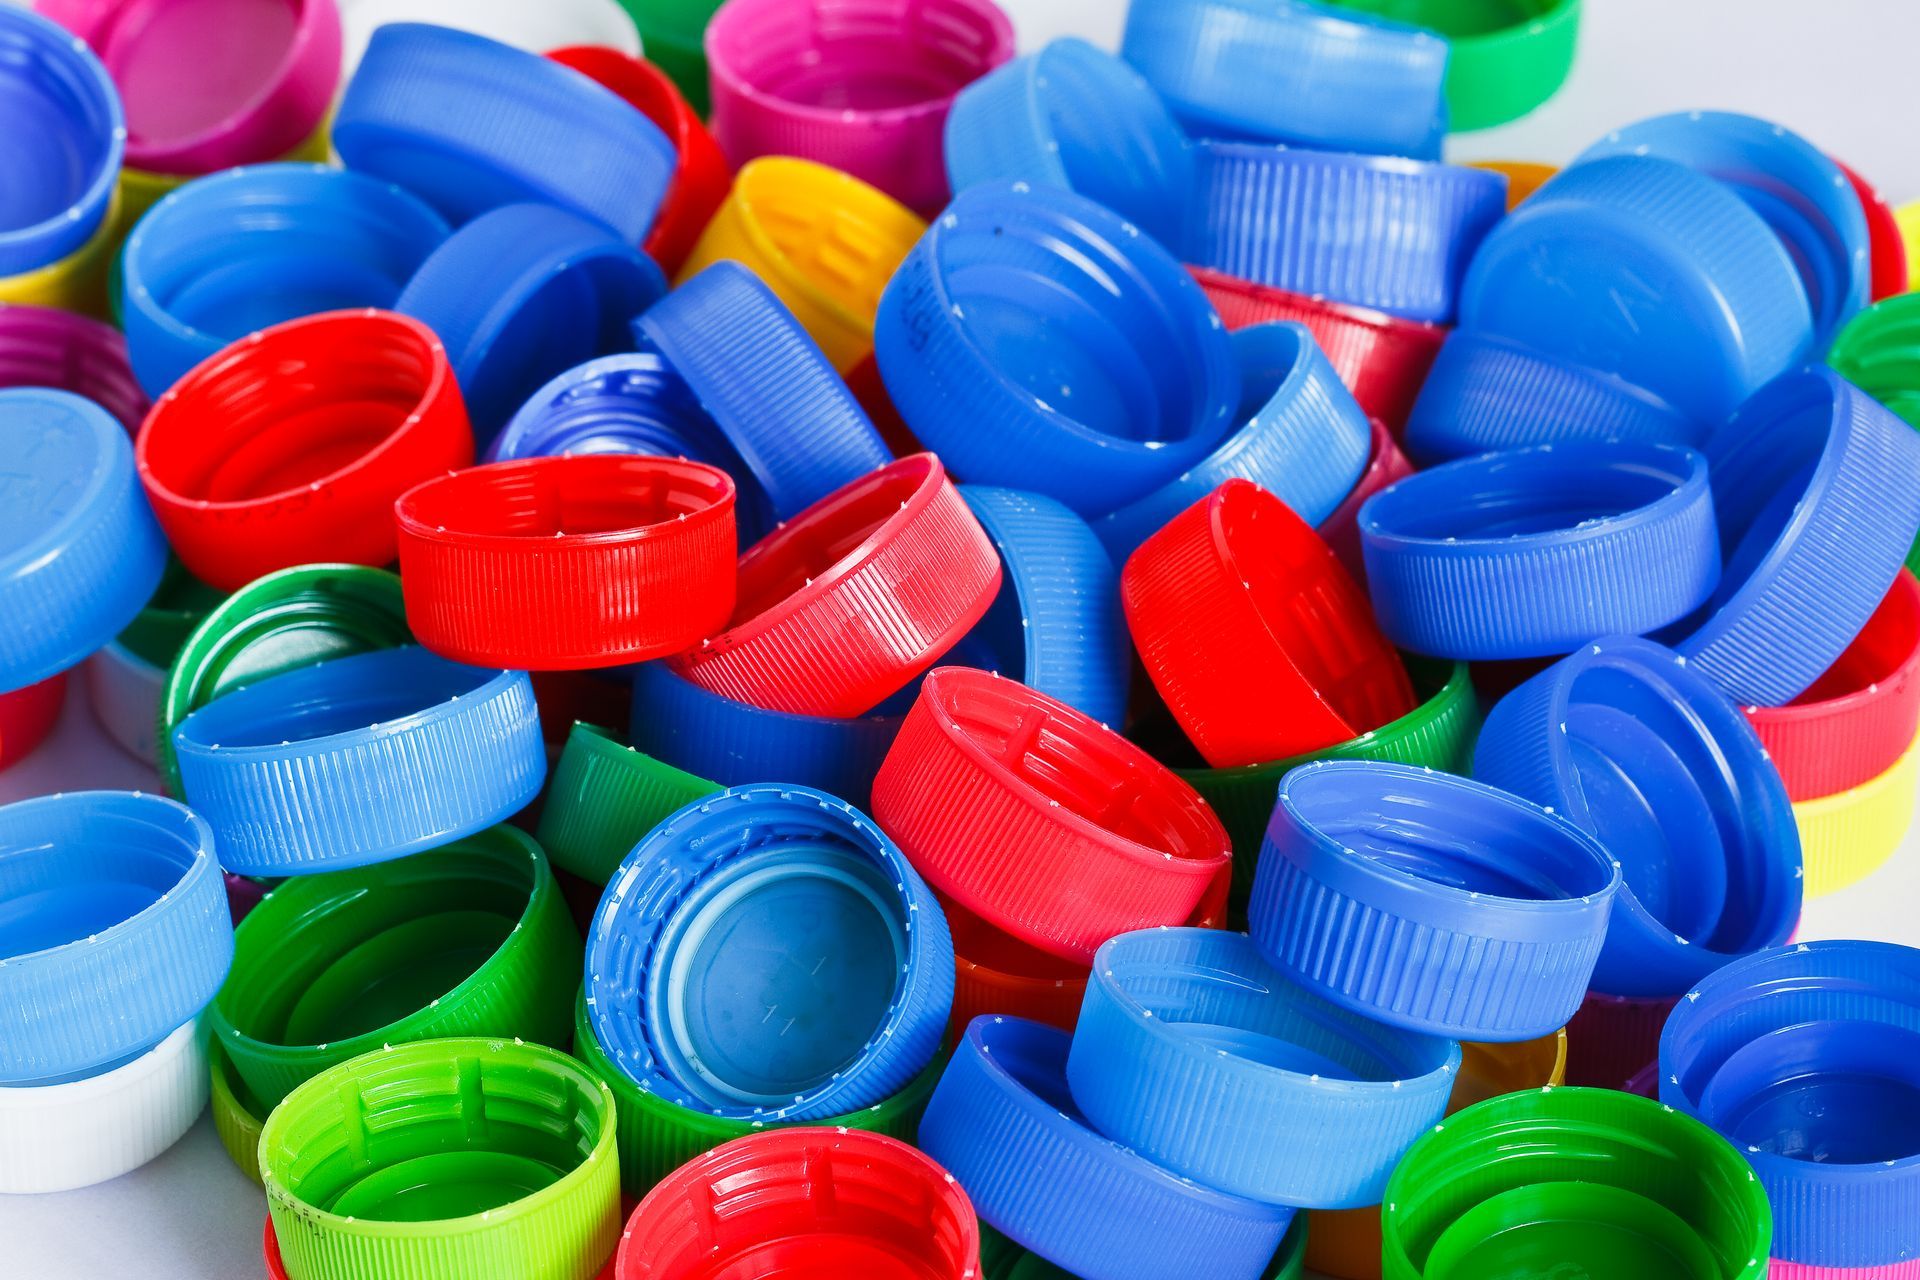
x=1839 y=71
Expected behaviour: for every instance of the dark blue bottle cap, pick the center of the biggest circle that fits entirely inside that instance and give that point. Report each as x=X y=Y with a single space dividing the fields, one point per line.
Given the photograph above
x=1004 y=1123
x=1431 y=902
x=80 y=551
x=629 y=403
x=1192 y=1050
x=1301 y=437
x=469 y=124
x=1056 y=625
x=360 y=759
x=1077 y=117
x=1629 y=742
x=767 y=953
x=227 y=255
x=525 y=292
x=1804 y=196
x=1650 y=271
x=1100 y=364
x=764 y=379
x=1533 y=552
x=61 y=116
x=1382 y=232
x=1813 y=527
x=1290 y=71
x=1807 y=1059
x=116 y=931
x=1485 y=393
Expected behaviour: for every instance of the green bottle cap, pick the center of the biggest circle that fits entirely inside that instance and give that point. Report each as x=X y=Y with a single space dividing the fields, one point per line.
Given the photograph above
x=603 y=797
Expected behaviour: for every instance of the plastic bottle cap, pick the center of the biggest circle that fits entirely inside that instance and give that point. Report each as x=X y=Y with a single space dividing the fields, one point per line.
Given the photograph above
x=766 y=383
x=287 y=770
x=442 y=1160
x=1382 y=232
x=701 y=177
x=1486 y=393
x=1301 y=437
x=1003 y=1122
x=710 y=735
x=1875 y=352
x=236 y=252
x=603 y=798
x=1254 y=634
x=1801 y=194
x=1702 y=305
x=1056 y=624
x=1633 y=745
x=1803 y=1058
x=28 y=715
x=324 y=422
x=987 y=770
x=77 y=282
x=536 y=29
x=1850 y=834
x=870 y=98
x=60 y=1137
x=522 y=293
x=279 y=622
x=805 y=1202
x=207 y=88
x=238 y=1116
x=1383 y=359
x=1194 y=1052
x=1885 y=244
x=825 y=242
x=1386 y=465
x=45 y=347
x=536 y=564
x=331 y=966
x=1104 y=382
x=810 y=634
x=469 y=124
x=1483 y=924
x=122 y=933
x=56 y=93
x=1613 y=1039
x=1077 y=117
x=769 y=897
x=79 y=549
x=1800 y=491
x=1524 y=177
x=1574 y=1173
x=1531 y=552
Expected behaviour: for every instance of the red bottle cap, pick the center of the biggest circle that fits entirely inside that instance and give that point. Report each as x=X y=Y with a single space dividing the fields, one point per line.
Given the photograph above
x=1341 y=530
x=1885 y=243
x=560 y=564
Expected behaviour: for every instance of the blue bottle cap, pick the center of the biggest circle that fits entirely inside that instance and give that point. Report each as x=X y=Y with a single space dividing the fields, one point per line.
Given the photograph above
x=1301 y=437
x=360 y=759
x=80 y=551
x=1430 y=902
x=765 y=381
x=66 y=134
x=1056 y=625
x=1789 y=182
x=116 y=932
x=1290 y=71
x=629 y=403
x=1533 y=552
x=1485 y=393
x=227 y=255
x=1369 y=231
x=525 y=292
x=1629 y=742
x=1807 y=1059
x=1194 y=1052
x=711 y=736
x=1077 y=117
x=469 y=124
x=1812 y=528
x=1100 y=364
x=1003 y=1122
x=767 y=953
x=1646 y=269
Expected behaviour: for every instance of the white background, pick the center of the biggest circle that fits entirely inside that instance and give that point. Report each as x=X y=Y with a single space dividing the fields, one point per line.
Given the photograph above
x=1839 y=71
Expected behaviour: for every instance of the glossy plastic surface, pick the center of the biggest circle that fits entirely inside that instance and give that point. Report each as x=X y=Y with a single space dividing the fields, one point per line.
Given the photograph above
x=58 y=103
x=47 y=347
